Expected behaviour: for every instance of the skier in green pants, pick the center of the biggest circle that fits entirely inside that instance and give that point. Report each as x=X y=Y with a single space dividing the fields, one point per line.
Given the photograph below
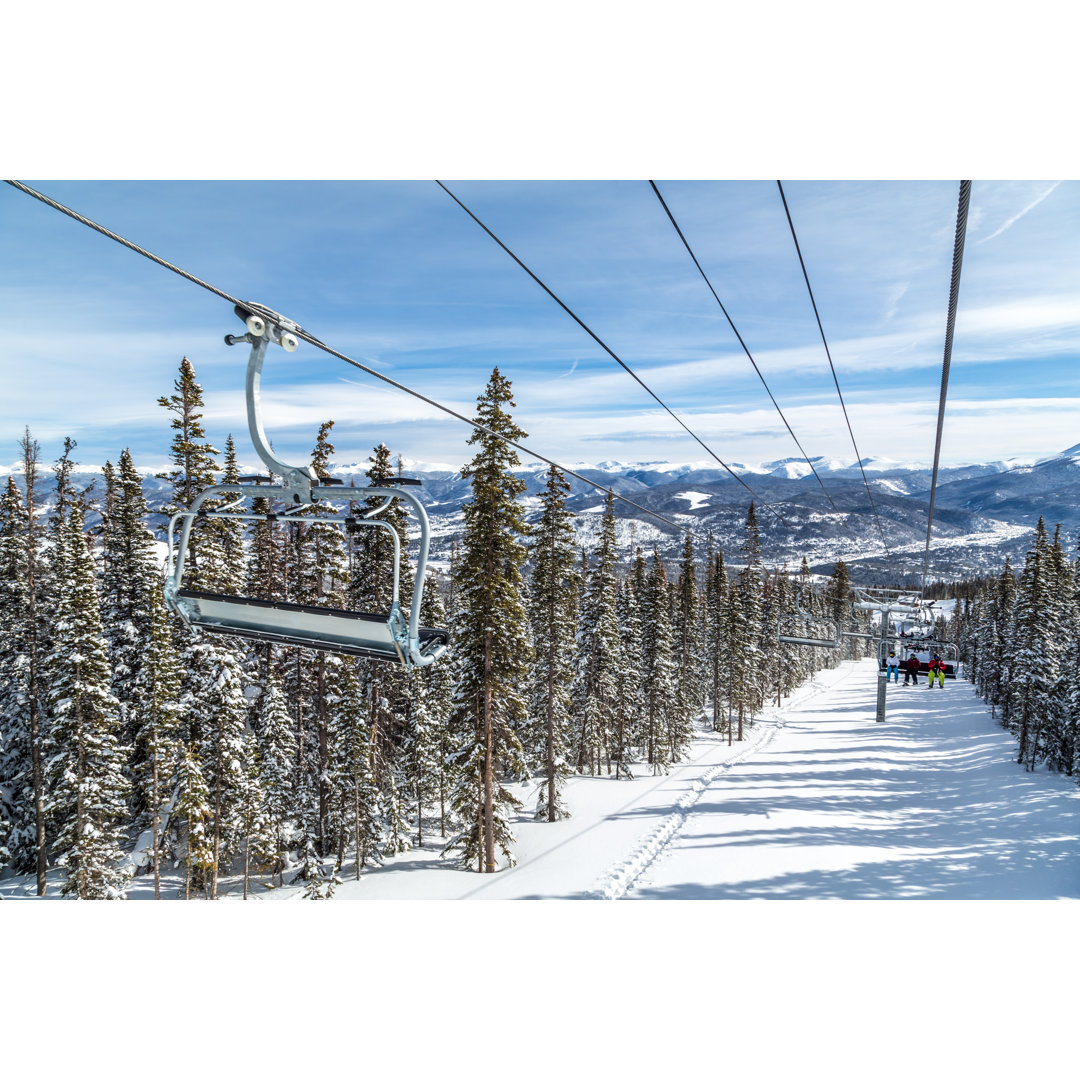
x=937 y=667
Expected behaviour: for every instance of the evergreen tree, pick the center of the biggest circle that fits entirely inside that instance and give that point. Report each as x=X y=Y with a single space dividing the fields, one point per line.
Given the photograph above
x=194 y=812
x=629 y=702
x=371 y=572
x=491 y=632
x=130 y=584
x=552 y=615
x=16 y=774
x=598 y=651
x=658 y=670
x=687 y=641
x=155 y=712
x=1036 y=653
x=715 y=596
x=751 y=614
x=86 y=765
x=277 y=758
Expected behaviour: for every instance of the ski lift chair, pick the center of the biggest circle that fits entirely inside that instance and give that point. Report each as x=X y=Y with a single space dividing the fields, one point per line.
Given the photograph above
x=389 y=635
x=802 y=628
x=948 y=652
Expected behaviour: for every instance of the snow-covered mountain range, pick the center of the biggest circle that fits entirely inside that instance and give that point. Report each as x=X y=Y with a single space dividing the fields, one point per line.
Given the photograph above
x=982 y=511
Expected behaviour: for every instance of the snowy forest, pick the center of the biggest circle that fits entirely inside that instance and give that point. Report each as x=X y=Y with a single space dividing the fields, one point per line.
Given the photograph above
x=128 y=743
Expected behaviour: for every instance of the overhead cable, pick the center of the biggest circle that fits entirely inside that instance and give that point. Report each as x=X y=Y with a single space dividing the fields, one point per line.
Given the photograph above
x=847 y=419
x=610 y=352
x=950 y=326
x=311 y=340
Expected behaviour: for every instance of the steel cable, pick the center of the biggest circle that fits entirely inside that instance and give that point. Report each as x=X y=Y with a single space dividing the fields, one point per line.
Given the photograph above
x=610 y=352
x=950 y=326
x=847 y=420
x=300 y=333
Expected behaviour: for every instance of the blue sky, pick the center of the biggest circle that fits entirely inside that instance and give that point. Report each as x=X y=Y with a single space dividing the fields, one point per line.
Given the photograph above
x=395 y=275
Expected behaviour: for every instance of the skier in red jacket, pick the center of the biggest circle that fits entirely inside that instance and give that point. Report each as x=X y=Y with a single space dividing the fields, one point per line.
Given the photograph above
x=912 y=667
x=937 y=667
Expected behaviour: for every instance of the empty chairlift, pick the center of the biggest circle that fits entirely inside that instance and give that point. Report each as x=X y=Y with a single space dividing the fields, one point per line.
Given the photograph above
x=385 y=635
x=802 y=628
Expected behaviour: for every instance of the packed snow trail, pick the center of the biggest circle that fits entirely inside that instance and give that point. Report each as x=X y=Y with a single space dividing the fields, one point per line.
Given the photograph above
x=929 y=804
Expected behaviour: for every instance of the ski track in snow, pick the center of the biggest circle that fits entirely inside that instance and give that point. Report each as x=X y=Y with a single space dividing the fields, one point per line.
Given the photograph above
x=620 y=878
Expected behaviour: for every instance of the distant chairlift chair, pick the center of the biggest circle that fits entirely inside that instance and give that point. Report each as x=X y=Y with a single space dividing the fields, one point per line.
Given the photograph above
x=802 y=628
x=380 y=636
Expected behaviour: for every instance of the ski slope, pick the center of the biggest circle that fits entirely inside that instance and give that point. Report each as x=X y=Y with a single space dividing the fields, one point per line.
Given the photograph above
x=818 y=802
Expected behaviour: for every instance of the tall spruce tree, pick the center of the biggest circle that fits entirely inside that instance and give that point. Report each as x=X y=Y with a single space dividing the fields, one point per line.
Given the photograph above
x=491 y=633
x=155 y=711
x=130 y=584
x=553 y=616
x=598 y=651
x=88 y=790
x=658 y=676
x=1037 y=647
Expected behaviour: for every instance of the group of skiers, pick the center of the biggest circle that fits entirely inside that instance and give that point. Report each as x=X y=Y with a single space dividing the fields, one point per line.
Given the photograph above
x=912 y=667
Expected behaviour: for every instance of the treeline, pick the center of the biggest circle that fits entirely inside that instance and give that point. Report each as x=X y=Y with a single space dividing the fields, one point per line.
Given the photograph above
x=1019 y=638
x=226 y=756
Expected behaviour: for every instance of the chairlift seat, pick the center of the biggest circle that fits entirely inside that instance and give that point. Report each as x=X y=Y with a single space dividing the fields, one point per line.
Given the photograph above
x=355 y=633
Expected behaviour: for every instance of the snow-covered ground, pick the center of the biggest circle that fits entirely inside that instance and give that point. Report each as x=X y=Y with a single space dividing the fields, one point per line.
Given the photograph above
x=818 y=802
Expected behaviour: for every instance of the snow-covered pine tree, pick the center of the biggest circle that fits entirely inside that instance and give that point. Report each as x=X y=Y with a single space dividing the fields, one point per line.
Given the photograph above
x=751 y=607
x=420 y=751
x=277 y=759
x=356 y=819
x=789 y=671
x=1037 y=651
x=16 y=787
x=687 y=642
x=429 y=702
x=658 y=669
x=734 y=648
x=88 y=790
x=251 y=818
x=329 y=566
x=716 y=584
x=1071 y=676
x=219 y=685
x=16 y=781
x=371 y=567
x=155 y=711
x=553 y=617
x=130 y=578
x=193 y=460
x=491 y=633
x=628 y=704
x=439 y=684
x=194 y=811
x=598 y=652
x=1058 y=724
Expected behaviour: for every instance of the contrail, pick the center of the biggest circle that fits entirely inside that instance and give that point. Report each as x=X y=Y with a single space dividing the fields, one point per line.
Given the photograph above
x=1013 y=220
